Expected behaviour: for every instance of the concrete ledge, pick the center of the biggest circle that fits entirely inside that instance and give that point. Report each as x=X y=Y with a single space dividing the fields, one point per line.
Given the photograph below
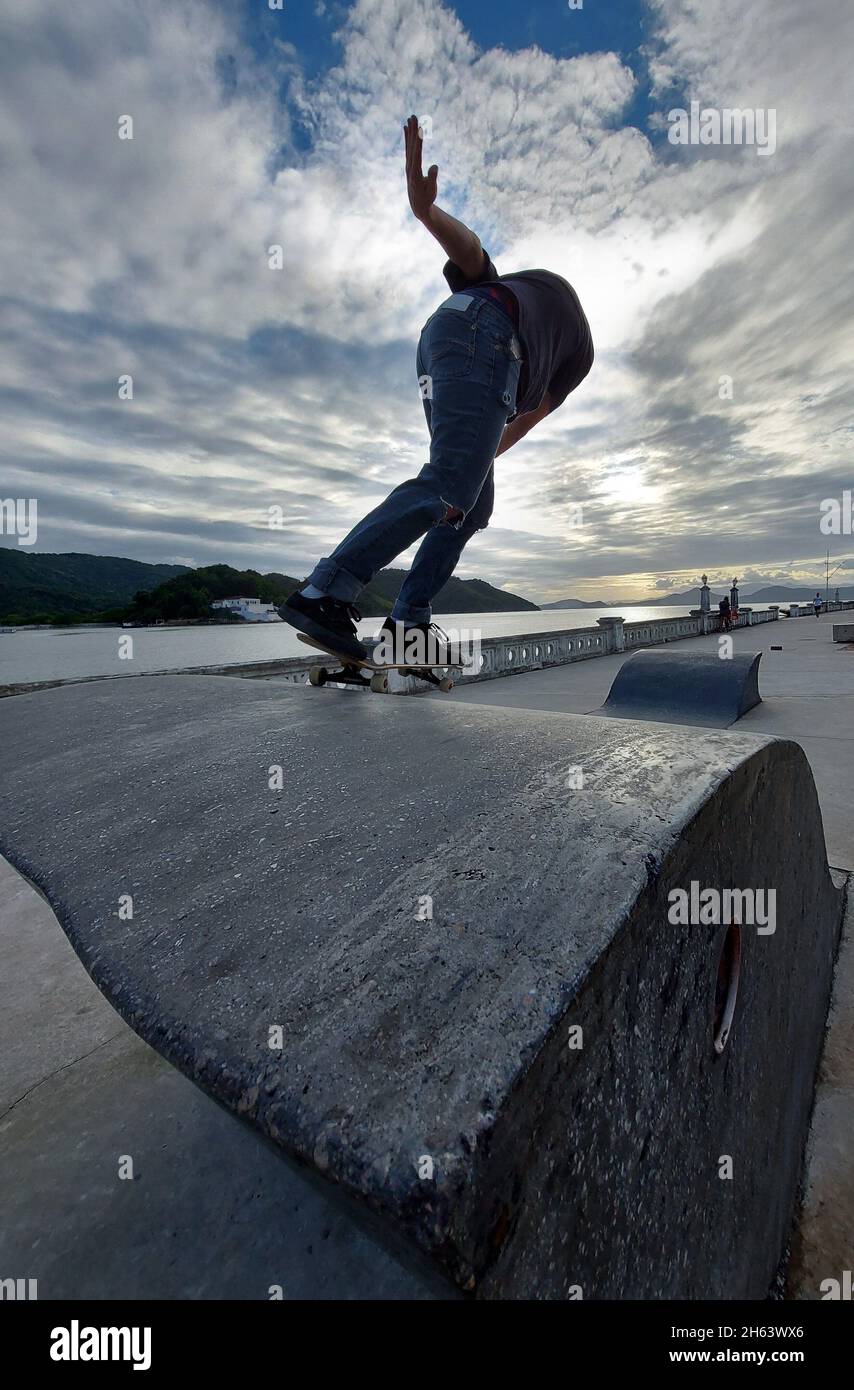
x=822 y=1244
x=425 y=909
x=843 y=632
x=700 y=688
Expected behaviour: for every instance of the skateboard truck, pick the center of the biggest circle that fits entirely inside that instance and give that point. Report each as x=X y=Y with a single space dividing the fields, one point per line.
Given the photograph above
x=377 y=681
x=353 y=671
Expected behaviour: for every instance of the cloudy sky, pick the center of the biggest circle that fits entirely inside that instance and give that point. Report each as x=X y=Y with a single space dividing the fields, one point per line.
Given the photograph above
x=295 y=388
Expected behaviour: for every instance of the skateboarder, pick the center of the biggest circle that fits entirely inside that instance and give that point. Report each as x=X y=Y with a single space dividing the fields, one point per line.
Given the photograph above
x=499 y=355
x=726 y=613
x=816 y=603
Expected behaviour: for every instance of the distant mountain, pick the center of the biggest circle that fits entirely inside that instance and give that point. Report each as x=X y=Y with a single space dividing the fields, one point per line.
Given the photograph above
x=577 y=603
x=457 y=596
x=690 y=599
x=74 y=588
x=777 y=593
x=38 y=588
x=780 y=593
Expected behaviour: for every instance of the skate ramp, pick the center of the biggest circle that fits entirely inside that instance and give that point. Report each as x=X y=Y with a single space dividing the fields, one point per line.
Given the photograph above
x=425 y=950
x=700 y=688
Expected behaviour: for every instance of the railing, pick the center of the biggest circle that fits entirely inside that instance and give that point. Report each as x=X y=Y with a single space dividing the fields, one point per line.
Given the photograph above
x=800 y=610
x=535 y=651
x=507 y=656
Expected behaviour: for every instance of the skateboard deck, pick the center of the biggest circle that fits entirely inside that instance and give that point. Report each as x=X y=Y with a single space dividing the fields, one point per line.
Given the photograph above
x=352 y=668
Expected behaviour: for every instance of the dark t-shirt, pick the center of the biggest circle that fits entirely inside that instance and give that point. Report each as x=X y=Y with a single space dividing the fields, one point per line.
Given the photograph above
x=556 y=342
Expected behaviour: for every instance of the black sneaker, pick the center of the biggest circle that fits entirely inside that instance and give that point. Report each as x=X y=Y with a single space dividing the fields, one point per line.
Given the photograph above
x=328 y=621
x=432 y=646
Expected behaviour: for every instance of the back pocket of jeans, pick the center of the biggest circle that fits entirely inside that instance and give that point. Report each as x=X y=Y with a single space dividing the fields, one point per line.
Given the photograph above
x=450 y=346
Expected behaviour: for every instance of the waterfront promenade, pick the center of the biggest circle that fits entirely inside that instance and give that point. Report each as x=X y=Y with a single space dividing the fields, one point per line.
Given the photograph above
x=807 y=695
x=85 y=1086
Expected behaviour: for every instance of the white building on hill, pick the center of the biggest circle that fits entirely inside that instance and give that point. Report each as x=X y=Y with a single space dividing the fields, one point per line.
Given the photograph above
x=252 y=610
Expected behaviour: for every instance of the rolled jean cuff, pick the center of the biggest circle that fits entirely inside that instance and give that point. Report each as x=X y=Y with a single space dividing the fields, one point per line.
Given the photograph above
x=404 y=613
x=335 y=581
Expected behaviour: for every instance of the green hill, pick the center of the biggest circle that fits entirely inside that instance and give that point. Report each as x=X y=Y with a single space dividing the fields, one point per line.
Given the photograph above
x=189 y=595
x=75 y=588
x=47 y=588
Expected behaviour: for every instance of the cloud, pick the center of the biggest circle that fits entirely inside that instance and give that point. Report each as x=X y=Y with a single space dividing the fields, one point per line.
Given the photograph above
x=256 y=387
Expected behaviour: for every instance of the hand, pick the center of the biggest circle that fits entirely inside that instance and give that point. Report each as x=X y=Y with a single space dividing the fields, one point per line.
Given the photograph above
x=422 y=189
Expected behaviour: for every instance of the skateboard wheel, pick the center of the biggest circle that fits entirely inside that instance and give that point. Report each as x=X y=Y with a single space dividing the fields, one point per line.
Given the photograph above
x=379 y=683
x=318 y=675
x=446 y=684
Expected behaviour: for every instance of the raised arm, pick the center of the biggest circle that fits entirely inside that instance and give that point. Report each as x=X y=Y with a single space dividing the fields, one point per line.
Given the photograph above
x=460 y=244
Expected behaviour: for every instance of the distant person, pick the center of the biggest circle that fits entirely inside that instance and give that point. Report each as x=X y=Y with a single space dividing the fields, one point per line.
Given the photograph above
x=726 y=614
x=816 y=603
x=495 y=358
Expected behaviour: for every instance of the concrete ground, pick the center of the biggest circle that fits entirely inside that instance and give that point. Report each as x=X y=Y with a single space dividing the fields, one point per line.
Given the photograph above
x=807 y=695
x=212 y=1212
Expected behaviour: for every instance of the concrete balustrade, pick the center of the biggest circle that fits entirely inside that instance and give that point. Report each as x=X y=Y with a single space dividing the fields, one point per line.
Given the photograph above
x=507 y=656
x=533 y=651
x=803 y=610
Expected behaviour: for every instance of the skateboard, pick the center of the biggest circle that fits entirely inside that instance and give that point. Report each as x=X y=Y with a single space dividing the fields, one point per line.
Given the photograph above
x=352 y=669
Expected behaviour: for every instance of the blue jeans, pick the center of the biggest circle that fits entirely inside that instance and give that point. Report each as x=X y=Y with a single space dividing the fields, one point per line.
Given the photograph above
x=468 y=362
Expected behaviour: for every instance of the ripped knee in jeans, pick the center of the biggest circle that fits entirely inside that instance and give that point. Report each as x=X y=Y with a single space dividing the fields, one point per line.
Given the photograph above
x=455 y=516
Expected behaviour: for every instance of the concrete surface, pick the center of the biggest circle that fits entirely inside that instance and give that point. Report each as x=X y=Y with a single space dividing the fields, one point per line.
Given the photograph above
x=411 y=1038
x=823 y=1245
x=40 y=974
x=843 y=632
x=807 y=694
x=681 y=687
x=211 y=1211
